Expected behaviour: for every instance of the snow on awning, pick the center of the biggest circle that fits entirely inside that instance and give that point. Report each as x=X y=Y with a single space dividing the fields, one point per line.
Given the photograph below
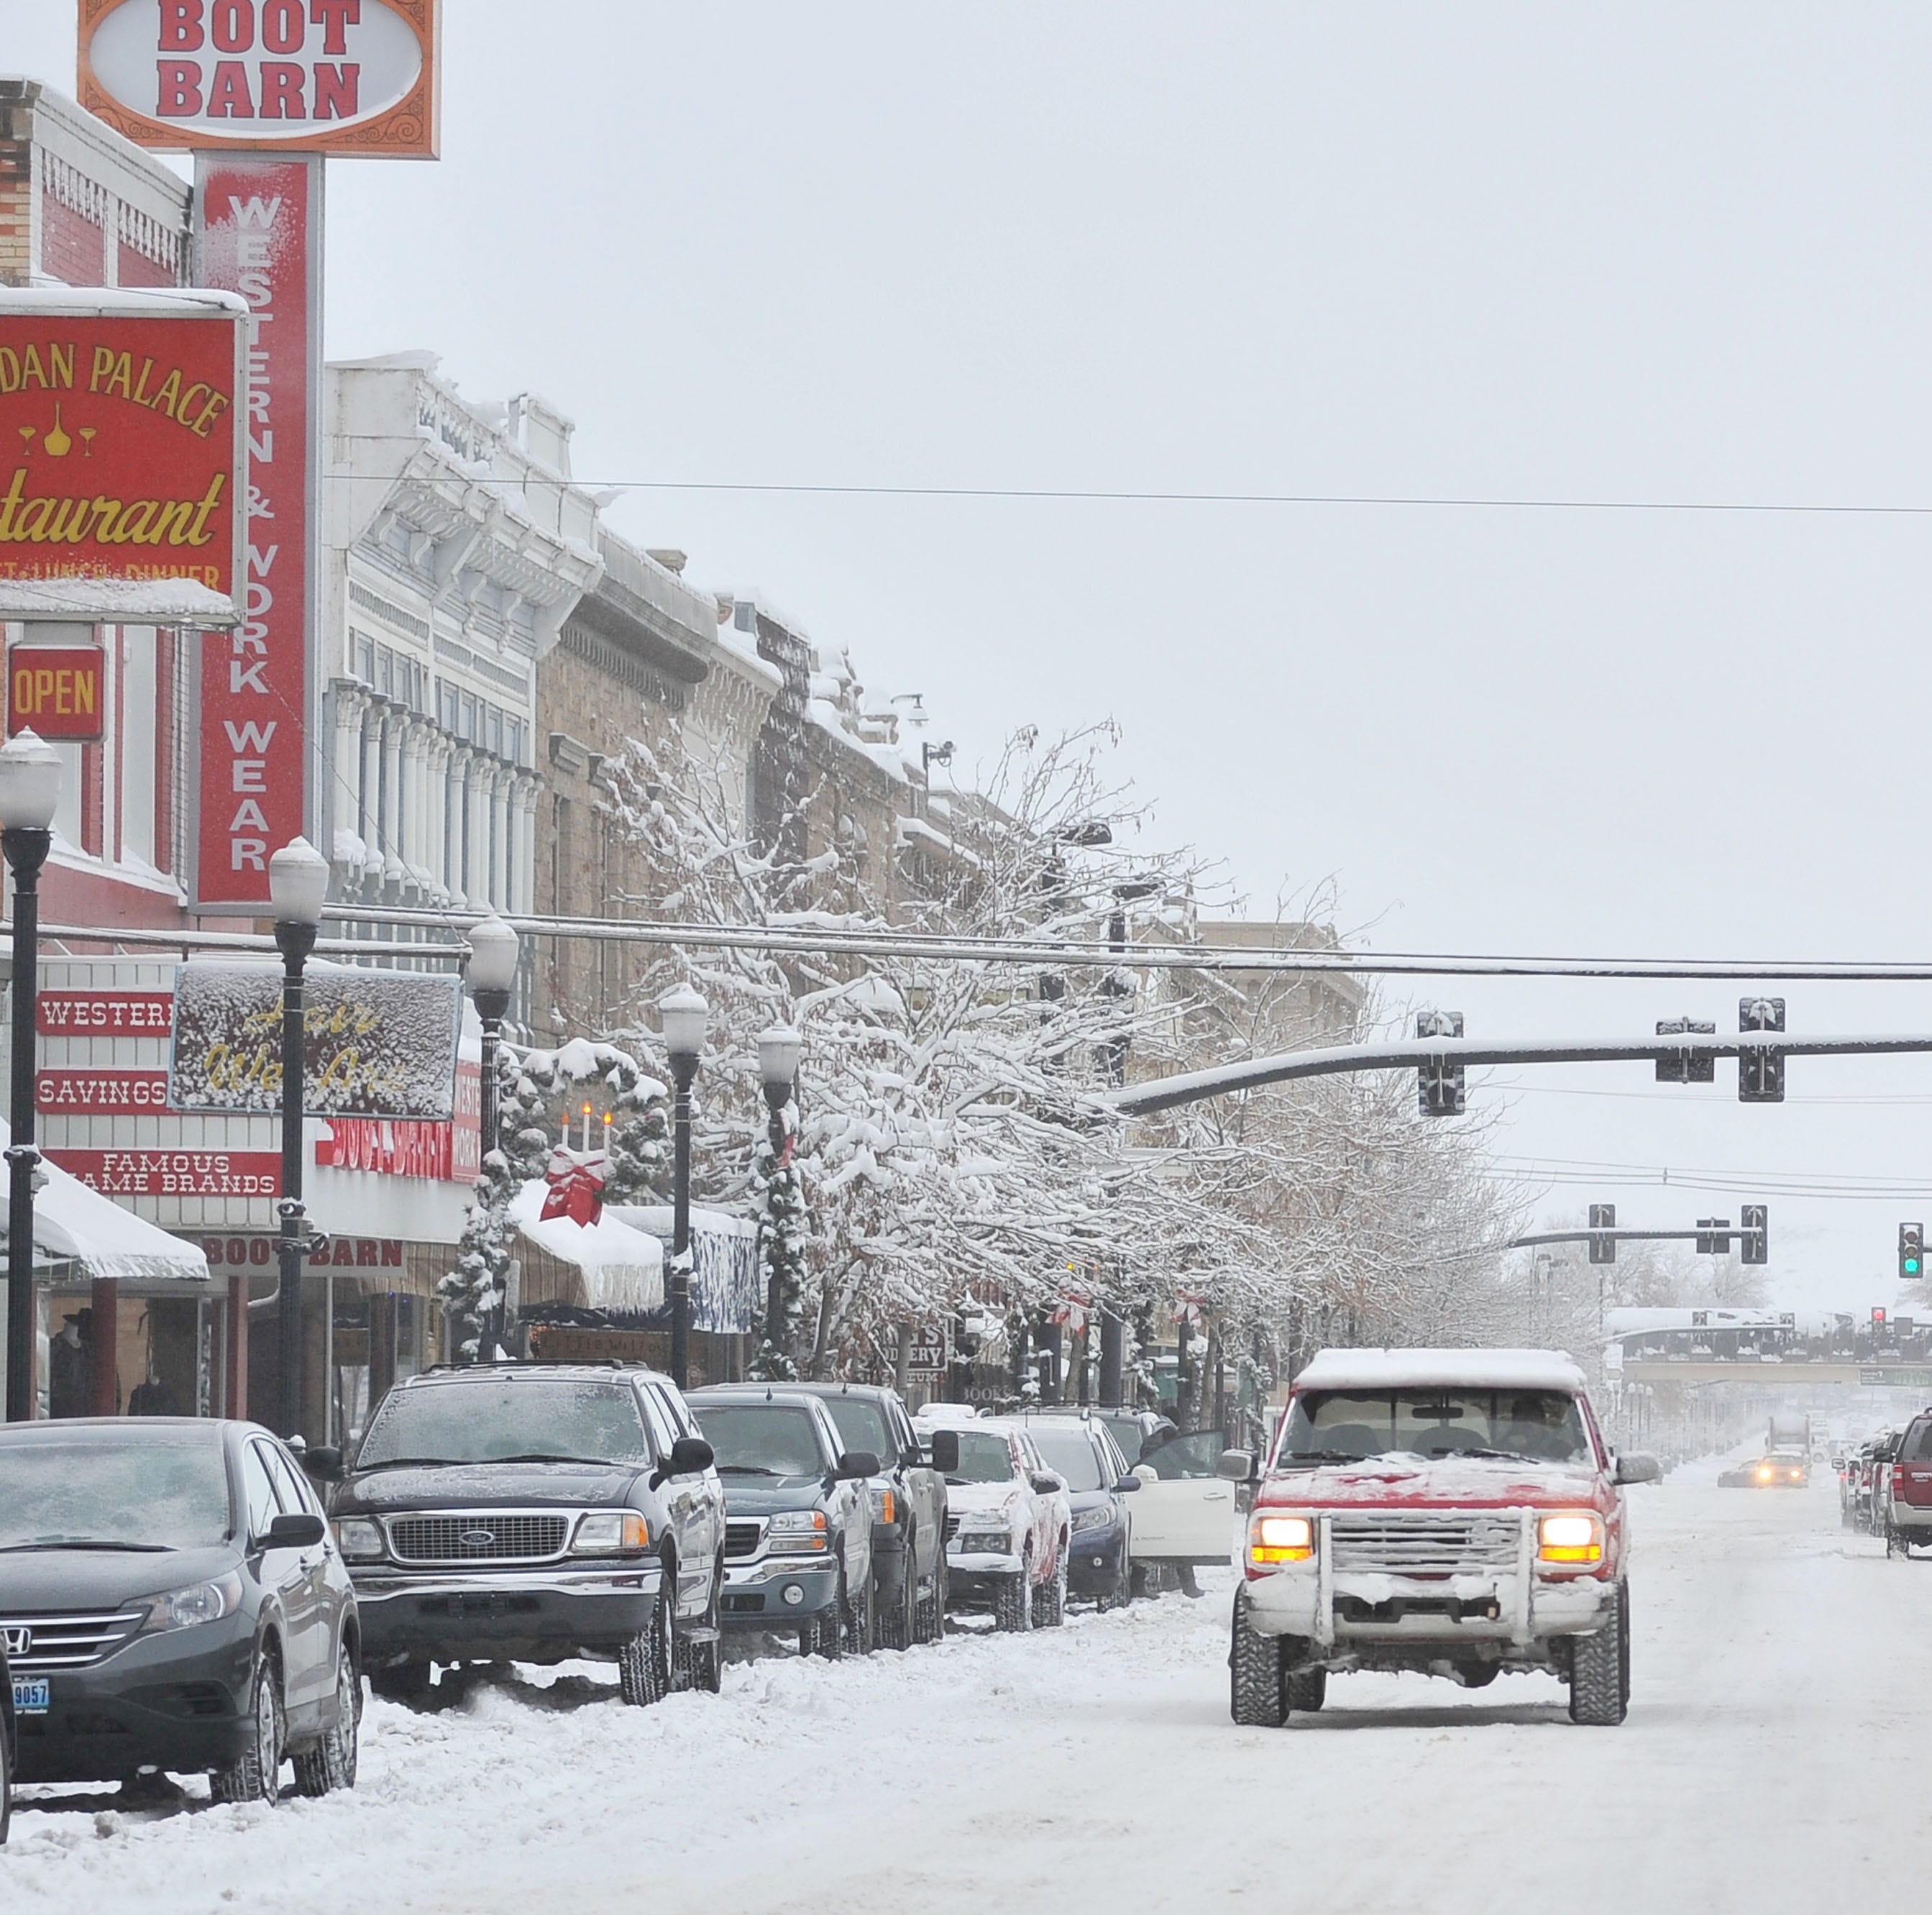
x=619 y=1268
x=727 y=1285
x=74 y=1224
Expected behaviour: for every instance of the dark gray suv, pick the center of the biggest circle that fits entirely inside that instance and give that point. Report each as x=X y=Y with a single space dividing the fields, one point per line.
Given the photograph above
x=535 y=1512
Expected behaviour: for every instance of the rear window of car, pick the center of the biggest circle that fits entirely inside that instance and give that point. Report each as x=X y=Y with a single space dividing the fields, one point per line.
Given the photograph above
x=1544 y=1425
x=164 y=1489
x=507 y=1419
x=983 y=1458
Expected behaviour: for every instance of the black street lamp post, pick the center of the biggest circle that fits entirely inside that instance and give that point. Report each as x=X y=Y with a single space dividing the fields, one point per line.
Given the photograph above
x=298 y=886
x=778 y=1051
x=492 y=972
x=684 y=1015
x=30 y=782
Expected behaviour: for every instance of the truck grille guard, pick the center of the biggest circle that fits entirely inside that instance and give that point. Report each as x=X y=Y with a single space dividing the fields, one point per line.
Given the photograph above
x=1429 y=1546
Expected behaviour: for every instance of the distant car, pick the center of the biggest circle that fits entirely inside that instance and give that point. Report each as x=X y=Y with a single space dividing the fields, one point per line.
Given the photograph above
x=1009 y=1526
x=536 y=1512
x=798 y=1538
x=171 y=1599
x=1082 y=1452
x=908 y=1498
x=1783 y=1469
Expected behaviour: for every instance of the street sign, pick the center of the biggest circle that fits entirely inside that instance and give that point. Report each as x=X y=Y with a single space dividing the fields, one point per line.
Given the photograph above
x=929 y=1350
x=351 y=76
x=1901 y=1379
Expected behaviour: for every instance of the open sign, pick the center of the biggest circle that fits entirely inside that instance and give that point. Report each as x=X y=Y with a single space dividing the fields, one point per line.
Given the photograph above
x=58 y=691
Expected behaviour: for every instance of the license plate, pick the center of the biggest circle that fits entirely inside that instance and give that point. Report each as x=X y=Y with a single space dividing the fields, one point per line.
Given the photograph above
x=33 y=1695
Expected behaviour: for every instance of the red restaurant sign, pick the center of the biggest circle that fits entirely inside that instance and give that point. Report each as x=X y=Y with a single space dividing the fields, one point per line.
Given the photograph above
x=261 y=236
x=121 y=455
x=306 y=75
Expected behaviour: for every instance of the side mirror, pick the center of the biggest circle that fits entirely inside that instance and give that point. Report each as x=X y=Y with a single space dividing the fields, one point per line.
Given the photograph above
x=324 y=1464
x=298 y=1531
x=1236 y=1465
x=855 y=1465
x=946 y=1451
x=1637 y=1467
x=692 y=1455
x=1126 y=1483
x=1045 y=1483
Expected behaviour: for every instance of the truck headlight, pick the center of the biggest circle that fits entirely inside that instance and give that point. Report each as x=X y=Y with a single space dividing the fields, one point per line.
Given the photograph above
x=610 y=1533
x=199 y=1602
x=359 y=1539
x=1274 y=1537
x=1577 y=1538
x=798 y=1532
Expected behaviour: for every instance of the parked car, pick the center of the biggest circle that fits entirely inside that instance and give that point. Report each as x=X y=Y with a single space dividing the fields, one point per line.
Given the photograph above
x=7 y=1743
x=535 y=1512
x=1442 y=1511
x=1184 y=1518
x=171 y=1600
x=1907 y=1499
x=798 y=1539
x=1104 y=1494
x=1870 y=1475
x=908 y=1499
x=1008 y=1525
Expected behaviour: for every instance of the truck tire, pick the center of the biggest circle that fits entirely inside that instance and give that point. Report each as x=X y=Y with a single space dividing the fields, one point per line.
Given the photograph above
x=1599 y=1668
x=1257 y=1692
x=643 y=1663
x=898 y=1619
x=1012 y=1606
x=1306 y=1689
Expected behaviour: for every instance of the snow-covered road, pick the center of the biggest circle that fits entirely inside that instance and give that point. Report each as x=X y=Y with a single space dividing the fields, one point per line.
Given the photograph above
x=1783 y=1678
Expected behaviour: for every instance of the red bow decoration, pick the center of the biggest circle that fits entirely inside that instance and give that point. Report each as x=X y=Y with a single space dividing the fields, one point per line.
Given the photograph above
x=576 y=1191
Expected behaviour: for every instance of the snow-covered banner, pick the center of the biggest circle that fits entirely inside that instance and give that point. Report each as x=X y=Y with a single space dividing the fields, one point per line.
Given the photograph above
x=378 y=1043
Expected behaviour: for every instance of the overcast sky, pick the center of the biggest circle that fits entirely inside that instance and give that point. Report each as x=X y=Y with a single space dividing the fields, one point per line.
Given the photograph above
x=1637 y=252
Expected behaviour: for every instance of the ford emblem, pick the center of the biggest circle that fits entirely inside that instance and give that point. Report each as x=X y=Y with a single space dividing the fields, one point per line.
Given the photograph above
x=19 y=1641
x=478 y=1538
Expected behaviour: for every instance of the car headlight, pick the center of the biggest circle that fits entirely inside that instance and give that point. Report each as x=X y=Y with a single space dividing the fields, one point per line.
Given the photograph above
x=984 y=1542
x=199 y=1603
x=1568 y=1537
x=798 y=1532
x=885 y=1505
x=359 y=1539
x=610 y=1533
x=1100 y=1516
x=1274 y=1537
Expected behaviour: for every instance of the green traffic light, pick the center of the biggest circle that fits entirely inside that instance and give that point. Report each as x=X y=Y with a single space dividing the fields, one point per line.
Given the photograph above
x=1912 y=1266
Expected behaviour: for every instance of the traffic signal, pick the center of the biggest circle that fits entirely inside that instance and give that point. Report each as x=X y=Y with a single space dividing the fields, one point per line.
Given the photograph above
x=1760 y=1073
x=1438 y=1088
x=1714 y=1236
x=1602 y=1216
x=1911 y=1252
x=1878 y=1316
x=1686 y=1067
x=1754 y=1230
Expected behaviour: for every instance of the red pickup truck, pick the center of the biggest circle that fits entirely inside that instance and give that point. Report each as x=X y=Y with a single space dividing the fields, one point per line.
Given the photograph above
x=1452 y=1512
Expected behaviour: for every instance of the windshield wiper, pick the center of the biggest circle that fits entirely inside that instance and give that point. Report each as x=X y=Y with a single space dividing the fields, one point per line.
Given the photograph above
x=746 y=1469
x=551 y=1456
x=1501 y=1455
x=1326 y=1456
x=406 y=1462
x=89 y=1542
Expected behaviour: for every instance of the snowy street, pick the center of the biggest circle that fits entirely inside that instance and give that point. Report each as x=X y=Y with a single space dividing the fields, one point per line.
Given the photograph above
x=1779 y=1674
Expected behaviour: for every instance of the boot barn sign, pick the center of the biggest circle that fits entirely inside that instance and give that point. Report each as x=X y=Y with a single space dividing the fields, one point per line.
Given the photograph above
x=123 y=456
x=354 y=76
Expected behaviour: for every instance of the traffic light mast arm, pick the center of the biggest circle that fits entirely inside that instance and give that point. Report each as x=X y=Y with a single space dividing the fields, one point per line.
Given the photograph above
x=1618 y=1235
x=1411 y=1053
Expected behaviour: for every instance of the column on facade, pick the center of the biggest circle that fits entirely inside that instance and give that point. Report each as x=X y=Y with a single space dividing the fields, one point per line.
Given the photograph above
x=419 y=798
x=393 y=722
x=442 y=774
x=369 y=812
x=524 y=875
x=476 y=826
x=502 y=780
x=346 y=802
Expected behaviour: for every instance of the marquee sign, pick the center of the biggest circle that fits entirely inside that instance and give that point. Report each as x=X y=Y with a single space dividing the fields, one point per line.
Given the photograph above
x=352 y=76
x=378 y=1043
x=122 y=456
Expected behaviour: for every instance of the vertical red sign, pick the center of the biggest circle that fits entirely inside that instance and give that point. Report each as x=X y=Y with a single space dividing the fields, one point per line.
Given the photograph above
x=260 y=236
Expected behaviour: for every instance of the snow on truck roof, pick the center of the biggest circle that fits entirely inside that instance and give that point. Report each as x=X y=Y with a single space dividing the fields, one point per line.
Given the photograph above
x=1465 y=1369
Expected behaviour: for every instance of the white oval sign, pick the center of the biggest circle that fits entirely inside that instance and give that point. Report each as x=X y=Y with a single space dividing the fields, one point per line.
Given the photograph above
x=257 y=70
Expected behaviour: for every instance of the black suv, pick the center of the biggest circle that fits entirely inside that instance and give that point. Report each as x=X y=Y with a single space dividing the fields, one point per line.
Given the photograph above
x=169 y=1599
x=535 y=1512
x=908 y=1499
x=798 y=1549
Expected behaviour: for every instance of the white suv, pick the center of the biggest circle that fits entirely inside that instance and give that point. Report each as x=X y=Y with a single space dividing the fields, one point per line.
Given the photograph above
x=1008 y=1524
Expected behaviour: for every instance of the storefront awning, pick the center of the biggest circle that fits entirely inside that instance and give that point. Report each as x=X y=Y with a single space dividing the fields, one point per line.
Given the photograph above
x=618 y=1268
x=75 y=1225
